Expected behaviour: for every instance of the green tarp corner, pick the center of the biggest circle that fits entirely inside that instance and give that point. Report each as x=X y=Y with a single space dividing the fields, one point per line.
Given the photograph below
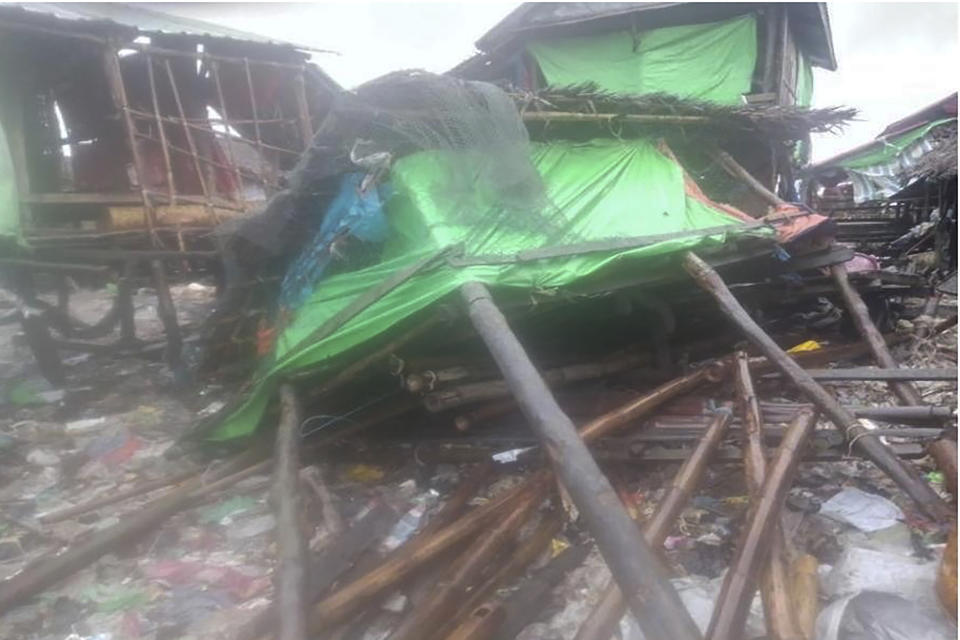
x=602 y=189
x=888 y=150
x=713 y=61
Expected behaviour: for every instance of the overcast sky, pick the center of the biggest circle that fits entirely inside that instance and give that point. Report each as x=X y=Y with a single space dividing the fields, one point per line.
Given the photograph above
x=894 y=58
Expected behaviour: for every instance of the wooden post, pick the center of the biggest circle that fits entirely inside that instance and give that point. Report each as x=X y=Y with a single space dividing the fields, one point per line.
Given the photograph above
x=303 y=110
x=291 y=548
x=634 y=565
x=733 y=604
x=164 y=145
x=804 y=592
x=449 y=592
x=905 y=391
x=204 y=187
x=734 y=168
x=256 y=120
x=605 y=617
x=42 y=344
x=111 y=63
x=125 y=308
x=905 y=475
x=775 y=581
x=215 y=72
x=168 y=316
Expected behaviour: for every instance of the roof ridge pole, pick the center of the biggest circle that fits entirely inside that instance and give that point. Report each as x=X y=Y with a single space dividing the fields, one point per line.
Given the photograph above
x=633 y=563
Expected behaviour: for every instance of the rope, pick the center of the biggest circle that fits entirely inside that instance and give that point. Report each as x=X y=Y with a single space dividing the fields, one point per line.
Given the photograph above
x=331 y=419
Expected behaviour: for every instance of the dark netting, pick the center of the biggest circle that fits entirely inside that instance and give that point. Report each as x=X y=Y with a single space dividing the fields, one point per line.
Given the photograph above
x=489 y=180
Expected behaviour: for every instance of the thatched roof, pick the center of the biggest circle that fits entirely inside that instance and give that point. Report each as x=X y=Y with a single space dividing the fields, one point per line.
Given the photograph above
x=580 y=104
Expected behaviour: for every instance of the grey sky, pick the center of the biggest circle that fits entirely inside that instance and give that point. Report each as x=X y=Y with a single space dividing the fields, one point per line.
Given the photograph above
x=894 y=58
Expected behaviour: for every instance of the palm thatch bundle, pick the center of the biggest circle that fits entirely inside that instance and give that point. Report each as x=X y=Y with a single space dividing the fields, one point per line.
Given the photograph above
x=941 y=161
x=622 y=113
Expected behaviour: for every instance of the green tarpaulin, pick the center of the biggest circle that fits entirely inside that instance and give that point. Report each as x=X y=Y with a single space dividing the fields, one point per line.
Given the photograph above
x=602 y=189
x=713 y=61
x=887 y=150
x=887 y=167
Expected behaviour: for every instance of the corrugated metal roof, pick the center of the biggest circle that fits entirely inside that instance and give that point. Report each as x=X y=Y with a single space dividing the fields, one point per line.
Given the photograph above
x=131 y=16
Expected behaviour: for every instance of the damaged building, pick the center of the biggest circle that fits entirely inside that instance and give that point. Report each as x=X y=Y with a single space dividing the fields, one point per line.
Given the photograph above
x=486 y=322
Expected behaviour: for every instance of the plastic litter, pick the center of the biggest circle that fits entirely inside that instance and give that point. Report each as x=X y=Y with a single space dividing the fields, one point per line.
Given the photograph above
x=873 y=615
x=865 y=511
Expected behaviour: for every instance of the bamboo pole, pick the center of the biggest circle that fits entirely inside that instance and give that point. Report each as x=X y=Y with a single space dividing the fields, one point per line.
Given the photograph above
x=634 y=565
x=606 y=118
x=407 y=559
x=48 y=570
x=805 y=596
x=204 y=187
x=113 y=497
x=605 y=617
x=118 y=92
x=291 y=548
x=164 y=145
x=481 y=624
x=443 y=600
x=905 y=475
x=734 y=168
x=733 y=603
x=905 y=391
x=168 y=316
x=303 y=110
x=775 y=582
x=225 y=119
x=528 y=551
x=258 y=140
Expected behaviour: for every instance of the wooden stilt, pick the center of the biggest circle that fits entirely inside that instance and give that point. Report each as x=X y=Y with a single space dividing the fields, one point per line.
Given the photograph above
x=168 y=316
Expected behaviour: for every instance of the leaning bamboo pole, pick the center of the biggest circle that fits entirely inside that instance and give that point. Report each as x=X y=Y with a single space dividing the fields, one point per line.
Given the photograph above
x=905 y=391
x=634 y=565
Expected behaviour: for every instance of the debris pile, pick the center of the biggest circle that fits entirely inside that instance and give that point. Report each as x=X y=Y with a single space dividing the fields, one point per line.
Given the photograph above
x=548 y=364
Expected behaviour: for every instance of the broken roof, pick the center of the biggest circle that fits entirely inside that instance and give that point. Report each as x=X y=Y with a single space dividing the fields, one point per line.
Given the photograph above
x=126 y=20
x=810 y=20
x=940 y=110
